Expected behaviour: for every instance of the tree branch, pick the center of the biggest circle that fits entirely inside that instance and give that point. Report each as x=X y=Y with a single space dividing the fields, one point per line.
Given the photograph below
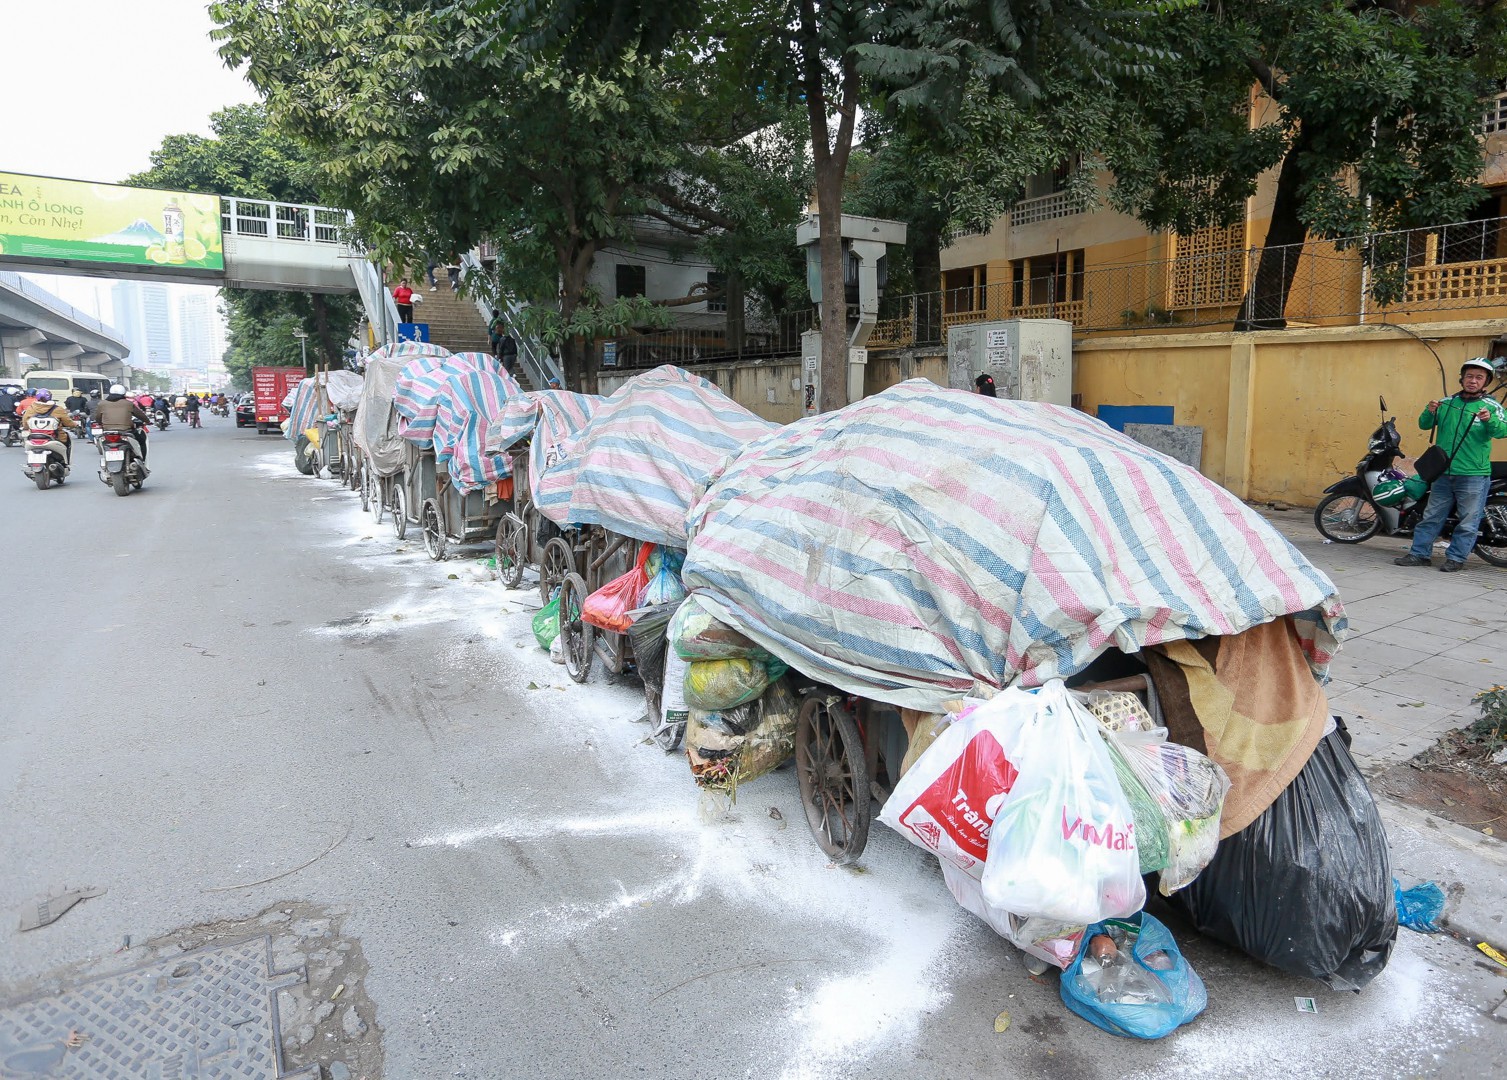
x=1265 y=76
x=676 y=200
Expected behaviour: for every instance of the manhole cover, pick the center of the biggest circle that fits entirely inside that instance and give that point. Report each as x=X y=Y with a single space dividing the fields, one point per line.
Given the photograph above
x=211 y=1013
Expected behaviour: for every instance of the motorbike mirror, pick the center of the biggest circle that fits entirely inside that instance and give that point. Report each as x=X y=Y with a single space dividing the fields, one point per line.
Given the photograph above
x=1383 y=404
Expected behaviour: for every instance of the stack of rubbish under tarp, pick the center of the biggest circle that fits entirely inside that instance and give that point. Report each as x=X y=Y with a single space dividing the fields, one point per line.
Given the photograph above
x=343 y=388
x=421 y=387
x=645 y=456
x=943 y=552
x=469 y=402
x=375 y=428
x=546 y=418
x=320 y=394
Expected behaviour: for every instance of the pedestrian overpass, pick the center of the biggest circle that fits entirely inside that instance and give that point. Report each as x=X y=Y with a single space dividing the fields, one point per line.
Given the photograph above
x=286 y=247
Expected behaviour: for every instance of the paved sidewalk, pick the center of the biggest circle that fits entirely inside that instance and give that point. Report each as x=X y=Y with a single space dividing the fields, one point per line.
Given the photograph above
x=1422 y=643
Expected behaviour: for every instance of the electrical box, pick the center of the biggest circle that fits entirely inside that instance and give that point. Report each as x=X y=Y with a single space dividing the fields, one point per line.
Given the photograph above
x=1029 y=359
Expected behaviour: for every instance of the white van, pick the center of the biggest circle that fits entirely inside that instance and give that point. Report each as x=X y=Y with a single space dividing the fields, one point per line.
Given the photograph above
x=63 y=384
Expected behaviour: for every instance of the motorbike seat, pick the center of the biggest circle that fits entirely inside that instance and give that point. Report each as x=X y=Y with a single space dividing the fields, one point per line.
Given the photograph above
x=1499 y=470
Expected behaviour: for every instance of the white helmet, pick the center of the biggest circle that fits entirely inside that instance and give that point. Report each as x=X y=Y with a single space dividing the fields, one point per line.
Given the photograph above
x=1482 y=362
x=116 y=388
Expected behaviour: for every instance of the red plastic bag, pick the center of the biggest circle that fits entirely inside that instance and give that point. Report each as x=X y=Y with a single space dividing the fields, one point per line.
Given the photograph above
x=608 y=607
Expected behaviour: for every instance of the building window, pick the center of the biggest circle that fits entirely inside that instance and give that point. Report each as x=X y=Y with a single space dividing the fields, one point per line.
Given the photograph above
x=1045 y=281
x=716 y=282
x=965 y=289
x=631 y=280
x=1208 y=267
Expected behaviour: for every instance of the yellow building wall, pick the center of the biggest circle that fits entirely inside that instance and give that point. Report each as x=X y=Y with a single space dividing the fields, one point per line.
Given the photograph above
x=1285 y=413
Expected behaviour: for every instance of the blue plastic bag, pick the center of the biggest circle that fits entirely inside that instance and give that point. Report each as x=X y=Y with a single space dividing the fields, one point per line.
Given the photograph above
x=1419 y=908
x=1177 y=996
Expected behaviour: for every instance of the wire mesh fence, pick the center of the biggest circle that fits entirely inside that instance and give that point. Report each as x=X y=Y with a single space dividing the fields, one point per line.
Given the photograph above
x=682 y=346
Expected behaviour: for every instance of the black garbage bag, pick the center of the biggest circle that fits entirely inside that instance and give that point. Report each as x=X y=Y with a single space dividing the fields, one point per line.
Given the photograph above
x=648 y=637
x=1307 y=886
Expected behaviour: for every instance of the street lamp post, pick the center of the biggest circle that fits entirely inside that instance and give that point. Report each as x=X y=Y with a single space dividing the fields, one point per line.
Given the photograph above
x=303 y=346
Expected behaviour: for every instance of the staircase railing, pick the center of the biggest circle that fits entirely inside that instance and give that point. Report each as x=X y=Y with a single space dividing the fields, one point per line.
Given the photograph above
x=533 y=356
x=381 y=309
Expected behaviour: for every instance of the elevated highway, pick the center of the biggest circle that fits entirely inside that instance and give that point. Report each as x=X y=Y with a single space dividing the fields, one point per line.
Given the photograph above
x=35 y=321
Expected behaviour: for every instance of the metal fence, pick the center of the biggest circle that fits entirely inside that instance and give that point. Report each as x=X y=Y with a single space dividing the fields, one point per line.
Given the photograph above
x=1449 y=269
x=778 y=336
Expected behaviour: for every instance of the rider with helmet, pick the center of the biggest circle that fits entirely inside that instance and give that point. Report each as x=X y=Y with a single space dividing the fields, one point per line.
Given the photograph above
x=1466 y=423
x=119 y=413
x=43 y=405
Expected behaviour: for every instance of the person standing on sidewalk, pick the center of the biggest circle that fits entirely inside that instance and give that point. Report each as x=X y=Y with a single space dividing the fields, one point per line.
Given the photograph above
x=1467 y=423
x=402 y=296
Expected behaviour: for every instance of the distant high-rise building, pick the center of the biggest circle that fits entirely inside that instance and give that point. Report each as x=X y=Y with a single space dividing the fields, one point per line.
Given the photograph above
x=195 y=332
x=144 y=319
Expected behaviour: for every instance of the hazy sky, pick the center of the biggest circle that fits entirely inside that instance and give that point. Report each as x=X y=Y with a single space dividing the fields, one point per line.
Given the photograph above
x=92 y=86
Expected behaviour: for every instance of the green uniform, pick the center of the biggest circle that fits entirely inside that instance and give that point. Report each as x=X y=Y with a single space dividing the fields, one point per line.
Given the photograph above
x=1454 y=420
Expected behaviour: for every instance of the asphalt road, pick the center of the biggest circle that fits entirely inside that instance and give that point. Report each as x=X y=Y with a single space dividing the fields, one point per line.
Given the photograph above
x=235 y=673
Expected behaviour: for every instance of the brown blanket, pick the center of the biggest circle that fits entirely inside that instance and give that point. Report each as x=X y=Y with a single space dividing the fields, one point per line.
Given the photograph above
x=1250 y=702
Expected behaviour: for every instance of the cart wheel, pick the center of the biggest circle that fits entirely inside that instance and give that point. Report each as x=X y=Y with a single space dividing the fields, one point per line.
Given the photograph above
x=557 y=561
x=511 y=537
x=578 y=635
x=834 y=782
x=399 y=509
x=378 y=497
x=433 y=524
x=363 y=486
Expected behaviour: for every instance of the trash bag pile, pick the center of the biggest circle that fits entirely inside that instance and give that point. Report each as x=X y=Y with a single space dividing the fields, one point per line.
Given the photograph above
x=964 y=560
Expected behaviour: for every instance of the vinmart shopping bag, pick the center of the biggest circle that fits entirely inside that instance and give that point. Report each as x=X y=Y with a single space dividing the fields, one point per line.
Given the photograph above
x=947 y=800
x=1062 y=844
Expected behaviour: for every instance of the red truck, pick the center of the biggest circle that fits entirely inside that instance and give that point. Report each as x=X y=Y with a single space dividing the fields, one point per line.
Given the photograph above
x=269 y=386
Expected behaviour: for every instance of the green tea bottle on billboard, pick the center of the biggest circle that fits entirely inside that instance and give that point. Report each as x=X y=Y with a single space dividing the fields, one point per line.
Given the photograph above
x=172 y=228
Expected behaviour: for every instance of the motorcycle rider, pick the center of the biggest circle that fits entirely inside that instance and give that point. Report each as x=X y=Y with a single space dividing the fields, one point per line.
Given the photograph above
x=1467 y=423
x=8 y=405
x=191 y=407
x=43 y=405
x=77 y=403
x=119 y=413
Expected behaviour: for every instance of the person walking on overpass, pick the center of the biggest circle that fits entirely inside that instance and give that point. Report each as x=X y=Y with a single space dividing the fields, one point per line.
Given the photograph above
x=403 y=297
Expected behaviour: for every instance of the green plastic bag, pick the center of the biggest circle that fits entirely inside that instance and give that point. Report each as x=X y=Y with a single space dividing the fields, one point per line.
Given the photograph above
x=547 y=623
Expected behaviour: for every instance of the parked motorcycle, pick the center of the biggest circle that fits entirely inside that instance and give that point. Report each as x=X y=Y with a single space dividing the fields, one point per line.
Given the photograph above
x=120 y=462
x=47 y=456
x=1378 y=498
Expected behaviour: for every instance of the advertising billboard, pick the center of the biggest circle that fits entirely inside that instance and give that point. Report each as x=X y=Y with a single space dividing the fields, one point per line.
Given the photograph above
x=46 y=218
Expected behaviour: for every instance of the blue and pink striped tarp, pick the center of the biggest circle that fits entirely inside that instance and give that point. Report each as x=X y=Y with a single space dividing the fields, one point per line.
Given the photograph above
x=421 y=384
x=649 y=450
x=923 y=544
x=406 y=350
x=303 y=410
x=468 y=403
x=547 y=418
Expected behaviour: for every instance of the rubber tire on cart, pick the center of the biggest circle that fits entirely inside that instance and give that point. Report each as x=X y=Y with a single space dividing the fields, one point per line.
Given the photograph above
x=1359 y=535
x=556 y=562
x=378 y=497
x=360 y=486
x=512 y=534
x=399 y=510
x=433 y=524
x=834 y=781
x=1491 y=545
x=577 y=636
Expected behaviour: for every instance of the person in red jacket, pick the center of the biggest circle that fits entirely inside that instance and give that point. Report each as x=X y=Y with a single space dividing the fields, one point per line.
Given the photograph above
x=403 y=297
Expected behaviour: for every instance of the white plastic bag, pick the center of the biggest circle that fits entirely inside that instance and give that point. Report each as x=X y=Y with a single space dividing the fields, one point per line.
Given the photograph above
x=946 y=801
x=1188 y=788
x=1054 y=942
x=1062 y=846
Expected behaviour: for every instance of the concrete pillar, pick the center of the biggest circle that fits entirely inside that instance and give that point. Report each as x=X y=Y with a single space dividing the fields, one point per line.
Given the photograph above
x=1237 y=445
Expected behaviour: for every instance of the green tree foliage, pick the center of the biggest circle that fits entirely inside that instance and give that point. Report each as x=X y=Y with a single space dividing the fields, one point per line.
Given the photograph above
x=439 y=128
x=1377 y=114
x=246 y=157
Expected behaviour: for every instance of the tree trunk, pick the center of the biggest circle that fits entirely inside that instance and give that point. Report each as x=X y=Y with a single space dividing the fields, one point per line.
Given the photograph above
x=1265 y=305
x=329 y=349
x=834 y=362
x=733 y=297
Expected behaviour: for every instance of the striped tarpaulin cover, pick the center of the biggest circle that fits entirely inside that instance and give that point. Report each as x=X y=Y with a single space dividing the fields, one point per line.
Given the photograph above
x=925 y=543
x=407 y=350
x=548 y=417
x=647 y=453
x=469 y=402
x=303 y=410
x=421 y=384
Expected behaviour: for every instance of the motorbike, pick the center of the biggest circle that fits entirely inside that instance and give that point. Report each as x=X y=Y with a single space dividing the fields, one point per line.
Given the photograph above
x=1378 y=499
x=220 y=408
x=161 y=417
x=120 y=462
x=10 y=430
x=47 y=456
